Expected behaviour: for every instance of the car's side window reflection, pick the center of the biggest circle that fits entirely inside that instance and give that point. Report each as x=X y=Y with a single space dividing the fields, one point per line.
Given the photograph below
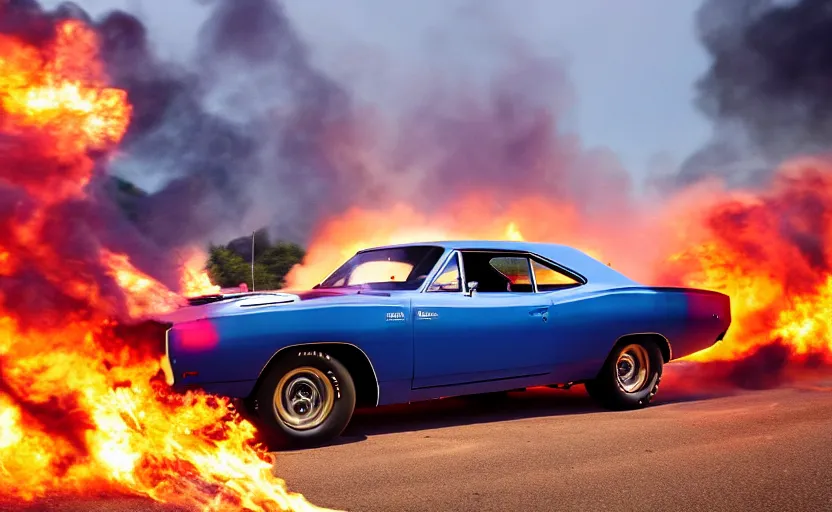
x=548 y=279
x=502 y=272
x=449 y=279
x=516 y=271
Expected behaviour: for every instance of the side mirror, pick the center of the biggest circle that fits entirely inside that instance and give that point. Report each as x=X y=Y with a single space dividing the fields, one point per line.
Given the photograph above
x=472 y=287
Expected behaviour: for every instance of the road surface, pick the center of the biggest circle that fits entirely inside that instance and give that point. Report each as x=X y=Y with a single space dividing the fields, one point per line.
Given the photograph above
x=552 y=450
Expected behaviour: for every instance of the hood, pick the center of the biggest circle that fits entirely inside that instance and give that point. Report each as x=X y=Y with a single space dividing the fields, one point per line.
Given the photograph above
x=208 y=306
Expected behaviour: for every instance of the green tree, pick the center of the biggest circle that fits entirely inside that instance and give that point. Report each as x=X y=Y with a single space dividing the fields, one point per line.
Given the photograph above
x=230 y=265
x=226 y=268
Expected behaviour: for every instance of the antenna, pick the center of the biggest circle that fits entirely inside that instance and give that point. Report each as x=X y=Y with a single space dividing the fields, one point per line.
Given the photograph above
x=252 y=259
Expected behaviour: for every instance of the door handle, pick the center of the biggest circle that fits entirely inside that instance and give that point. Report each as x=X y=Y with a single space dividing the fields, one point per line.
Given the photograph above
x=542 y=313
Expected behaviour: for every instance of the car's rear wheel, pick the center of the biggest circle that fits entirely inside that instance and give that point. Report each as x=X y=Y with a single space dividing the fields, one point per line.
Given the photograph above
x=630 y=376
x=306 y=399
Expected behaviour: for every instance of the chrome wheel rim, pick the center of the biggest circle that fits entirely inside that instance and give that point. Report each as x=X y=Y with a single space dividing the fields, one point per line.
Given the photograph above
x=632 y=368
x=304 y=398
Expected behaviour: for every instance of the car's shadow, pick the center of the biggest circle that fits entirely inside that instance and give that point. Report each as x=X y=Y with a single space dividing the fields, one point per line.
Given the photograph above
x=466 y=410
x=451 y=412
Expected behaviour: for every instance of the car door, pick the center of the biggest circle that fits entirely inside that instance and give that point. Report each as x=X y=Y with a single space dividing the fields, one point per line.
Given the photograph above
x=488 y=335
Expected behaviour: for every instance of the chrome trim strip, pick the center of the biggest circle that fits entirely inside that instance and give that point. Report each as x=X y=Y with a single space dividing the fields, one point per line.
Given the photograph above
x=464 y=287
x=530 y=255
x=454 y=254
x=375 y=375
x=442 y=261
x=434 y=273
x=532 y=276
x=565 y=270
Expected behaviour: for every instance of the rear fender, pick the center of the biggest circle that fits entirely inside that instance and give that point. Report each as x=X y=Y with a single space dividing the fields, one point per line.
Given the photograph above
x=589 y=326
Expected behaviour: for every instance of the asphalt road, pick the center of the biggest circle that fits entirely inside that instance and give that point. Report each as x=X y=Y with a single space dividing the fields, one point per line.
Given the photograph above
x=548 y=450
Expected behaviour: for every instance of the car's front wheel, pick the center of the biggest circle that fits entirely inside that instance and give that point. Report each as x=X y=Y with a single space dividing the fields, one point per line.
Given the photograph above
x=306 y=399
x=630 y=376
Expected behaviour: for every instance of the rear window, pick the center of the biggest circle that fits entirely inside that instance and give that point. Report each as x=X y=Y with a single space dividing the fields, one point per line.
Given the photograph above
x=549 y=279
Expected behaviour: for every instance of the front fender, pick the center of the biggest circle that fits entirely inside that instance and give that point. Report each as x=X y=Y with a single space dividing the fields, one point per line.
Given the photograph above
x=237 y=348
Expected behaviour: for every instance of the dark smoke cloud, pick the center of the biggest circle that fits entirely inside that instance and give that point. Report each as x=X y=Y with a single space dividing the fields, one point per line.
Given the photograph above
x=768 y=85
x=250 y=133
x=767 y=367
x=505 y=136
x=70 y=234
x=244 y=130
x=248 y=136
x=260 y=136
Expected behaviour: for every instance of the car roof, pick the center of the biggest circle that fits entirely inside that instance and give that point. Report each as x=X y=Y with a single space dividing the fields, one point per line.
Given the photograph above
x=567 y=256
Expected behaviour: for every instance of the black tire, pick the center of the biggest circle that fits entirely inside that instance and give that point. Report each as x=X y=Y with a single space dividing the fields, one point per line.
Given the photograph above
x=303 y=374
x=617 y=393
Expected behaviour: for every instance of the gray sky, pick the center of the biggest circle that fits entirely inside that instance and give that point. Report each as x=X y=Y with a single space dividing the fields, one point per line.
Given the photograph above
x=632 y=64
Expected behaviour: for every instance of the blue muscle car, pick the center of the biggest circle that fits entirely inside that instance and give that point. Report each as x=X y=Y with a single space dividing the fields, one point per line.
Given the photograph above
x=420 y=321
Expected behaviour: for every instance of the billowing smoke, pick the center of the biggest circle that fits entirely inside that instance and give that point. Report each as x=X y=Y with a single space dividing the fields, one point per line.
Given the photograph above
x=767 y=89
x=249 y=129
x=506 y=137
x=53 y=236
x=250 y=133
x=249 y=124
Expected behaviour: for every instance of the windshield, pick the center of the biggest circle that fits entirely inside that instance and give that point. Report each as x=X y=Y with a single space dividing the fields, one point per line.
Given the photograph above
x=400 y=268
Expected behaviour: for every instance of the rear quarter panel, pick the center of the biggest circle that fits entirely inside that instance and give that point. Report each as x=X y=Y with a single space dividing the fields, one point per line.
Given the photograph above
x=236 y=348
x=589 y=322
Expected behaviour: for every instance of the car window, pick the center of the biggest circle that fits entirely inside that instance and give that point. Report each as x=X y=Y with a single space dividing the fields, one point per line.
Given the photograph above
x=449 y=279
x=392 y=268
x=549 y=279
x=516 y=270
x=379 y=272
x=497 y=272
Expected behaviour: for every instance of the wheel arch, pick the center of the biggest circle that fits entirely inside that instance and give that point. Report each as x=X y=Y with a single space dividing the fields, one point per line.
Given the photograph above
x=351 y=356
x=660 y=340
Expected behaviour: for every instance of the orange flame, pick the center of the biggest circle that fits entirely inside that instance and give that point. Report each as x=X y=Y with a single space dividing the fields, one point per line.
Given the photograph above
x=195 y=279
x=768 y=251
x=144 y=295
x=60 y=92
x=340 y=238
x=82 y=408
x=690 y=244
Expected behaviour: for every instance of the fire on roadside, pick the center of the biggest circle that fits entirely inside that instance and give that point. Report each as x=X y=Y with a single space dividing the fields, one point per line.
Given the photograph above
x=82 y=408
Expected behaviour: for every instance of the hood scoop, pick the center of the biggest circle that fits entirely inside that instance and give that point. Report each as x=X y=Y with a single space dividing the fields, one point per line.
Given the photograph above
x=372 y=292
x=267 y=300
x=204 y=299
x=245 y=300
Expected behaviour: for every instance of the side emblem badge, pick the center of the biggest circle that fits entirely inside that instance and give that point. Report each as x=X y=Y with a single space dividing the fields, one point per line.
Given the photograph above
x=427 y=315
x=397 y=316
